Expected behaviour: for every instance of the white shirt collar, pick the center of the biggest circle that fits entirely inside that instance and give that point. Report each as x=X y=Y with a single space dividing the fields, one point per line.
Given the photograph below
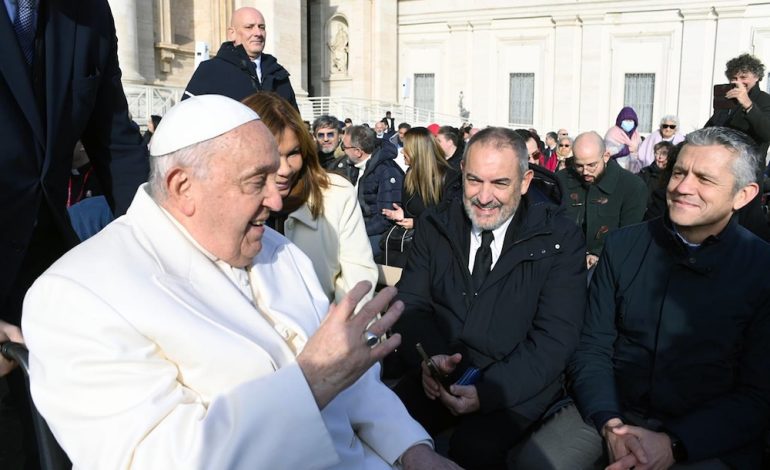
x=497 y=243
x=238 y=276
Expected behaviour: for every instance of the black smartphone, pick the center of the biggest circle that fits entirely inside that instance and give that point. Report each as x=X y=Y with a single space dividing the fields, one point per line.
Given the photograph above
x=437 y=375
x=720 y=101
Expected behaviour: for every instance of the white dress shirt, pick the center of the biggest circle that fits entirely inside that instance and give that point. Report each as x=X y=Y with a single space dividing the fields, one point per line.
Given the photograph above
x=258 y=63
x=496 y=246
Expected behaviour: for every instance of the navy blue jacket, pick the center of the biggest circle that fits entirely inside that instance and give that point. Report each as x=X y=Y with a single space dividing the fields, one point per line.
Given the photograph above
x=378 y=188
x=83 y=99
x=231 y=73
x=682 y=337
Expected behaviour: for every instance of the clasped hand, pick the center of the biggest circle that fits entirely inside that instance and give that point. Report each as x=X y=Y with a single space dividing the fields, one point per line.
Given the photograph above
x=636 y=447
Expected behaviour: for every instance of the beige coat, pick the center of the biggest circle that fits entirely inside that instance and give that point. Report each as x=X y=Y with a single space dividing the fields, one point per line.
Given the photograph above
x=336 y=242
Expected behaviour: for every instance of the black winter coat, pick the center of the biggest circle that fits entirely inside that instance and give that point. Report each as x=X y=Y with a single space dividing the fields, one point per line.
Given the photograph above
x=755 y=123
x=617 y=199
x=522 y=325
x=681 y=337
x=231 y=73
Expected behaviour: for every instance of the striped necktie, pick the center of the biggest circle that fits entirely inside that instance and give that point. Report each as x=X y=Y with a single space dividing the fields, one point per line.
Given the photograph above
x=24 y=25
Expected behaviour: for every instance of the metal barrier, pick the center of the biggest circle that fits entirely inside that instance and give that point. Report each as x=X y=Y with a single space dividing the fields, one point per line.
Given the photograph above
x=371 y=111
x=146 y=100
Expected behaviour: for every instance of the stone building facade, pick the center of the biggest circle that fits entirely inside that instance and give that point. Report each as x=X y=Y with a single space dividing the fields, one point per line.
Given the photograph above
x=539 y=63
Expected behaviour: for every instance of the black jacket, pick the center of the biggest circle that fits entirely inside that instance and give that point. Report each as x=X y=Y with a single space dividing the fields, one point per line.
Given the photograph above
x=681 y=337
x=755 y=123
x=617 y=199
x=79 y=96
x=521 y=326
x=231 y=73
x=652 y=175
x=414 y=205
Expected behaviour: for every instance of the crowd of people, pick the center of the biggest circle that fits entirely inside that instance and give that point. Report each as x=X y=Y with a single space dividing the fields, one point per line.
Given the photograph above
x=579 y=302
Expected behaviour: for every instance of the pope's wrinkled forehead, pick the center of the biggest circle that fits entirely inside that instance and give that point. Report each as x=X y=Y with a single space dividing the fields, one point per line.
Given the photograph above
x=197 y=119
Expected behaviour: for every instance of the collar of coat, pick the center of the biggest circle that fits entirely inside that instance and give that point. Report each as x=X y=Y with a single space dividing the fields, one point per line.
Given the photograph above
x=529 y=220
x=237 y=56
x=386 y=151
x=709 y=256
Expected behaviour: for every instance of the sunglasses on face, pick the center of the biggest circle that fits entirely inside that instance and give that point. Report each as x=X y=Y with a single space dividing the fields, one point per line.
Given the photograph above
x=536 y=155
x=345 y=147
x=325 y=135
x=668 y=126
x=564 y=145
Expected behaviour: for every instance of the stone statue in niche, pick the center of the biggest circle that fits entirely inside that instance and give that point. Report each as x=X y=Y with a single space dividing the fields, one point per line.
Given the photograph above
x=338 y=46
x=464 y=113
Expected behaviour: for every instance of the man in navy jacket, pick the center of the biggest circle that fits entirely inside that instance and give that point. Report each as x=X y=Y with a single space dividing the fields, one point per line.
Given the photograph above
x=71 y=90
x=673 y=365
x=241 y=68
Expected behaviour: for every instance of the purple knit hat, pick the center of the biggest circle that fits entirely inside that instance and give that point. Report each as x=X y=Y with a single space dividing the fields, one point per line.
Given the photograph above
x=627 y=113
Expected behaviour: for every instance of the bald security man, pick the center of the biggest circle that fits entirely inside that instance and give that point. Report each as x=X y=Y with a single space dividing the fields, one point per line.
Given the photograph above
x=241 y=67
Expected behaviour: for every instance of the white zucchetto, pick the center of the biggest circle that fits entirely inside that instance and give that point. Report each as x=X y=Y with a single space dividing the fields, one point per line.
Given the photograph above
x=196 y=119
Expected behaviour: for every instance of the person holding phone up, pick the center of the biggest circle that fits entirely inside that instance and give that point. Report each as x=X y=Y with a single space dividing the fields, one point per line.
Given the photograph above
x=748 y=113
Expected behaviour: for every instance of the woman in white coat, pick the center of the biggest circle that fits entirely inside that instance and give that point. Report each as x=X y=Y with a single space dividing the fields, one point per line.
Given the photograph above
x=320 y=211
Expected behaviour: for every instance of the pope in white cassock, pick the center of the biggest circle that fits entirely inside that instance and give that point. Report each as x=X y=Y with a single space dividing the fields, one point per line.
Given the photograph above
x=188 y=335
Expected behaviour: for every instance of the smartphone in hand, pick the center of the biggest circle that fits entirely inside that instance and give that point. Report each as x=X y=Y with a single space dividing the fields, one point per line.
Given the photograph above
x=437 y=375
x=722 y=102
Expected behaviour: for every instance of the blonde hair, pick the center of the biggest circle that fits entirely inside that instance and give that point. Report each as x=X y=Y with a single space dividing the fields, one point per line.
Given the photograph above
x=428 y=165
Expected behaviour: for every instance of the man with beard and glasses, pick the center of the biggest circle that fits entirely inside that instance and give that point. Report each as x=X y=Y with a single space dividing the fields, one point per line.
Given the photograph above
x=494 y=291
x=599 y=195
x=326 y=132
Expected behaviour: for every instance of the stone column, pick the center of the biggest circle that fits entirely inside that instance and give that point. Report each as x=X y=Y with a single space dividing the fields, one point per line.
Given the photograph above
x=699 y=28
x=460 y=42
x=567 y=44
x=125 y=14
x=385 y=82
x=482 y=95
x=593 y=98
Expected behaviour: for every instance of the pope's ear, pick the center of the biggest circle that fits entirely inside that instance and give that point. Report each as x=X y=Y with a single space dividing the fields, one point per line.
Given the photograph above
x=179 y=189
